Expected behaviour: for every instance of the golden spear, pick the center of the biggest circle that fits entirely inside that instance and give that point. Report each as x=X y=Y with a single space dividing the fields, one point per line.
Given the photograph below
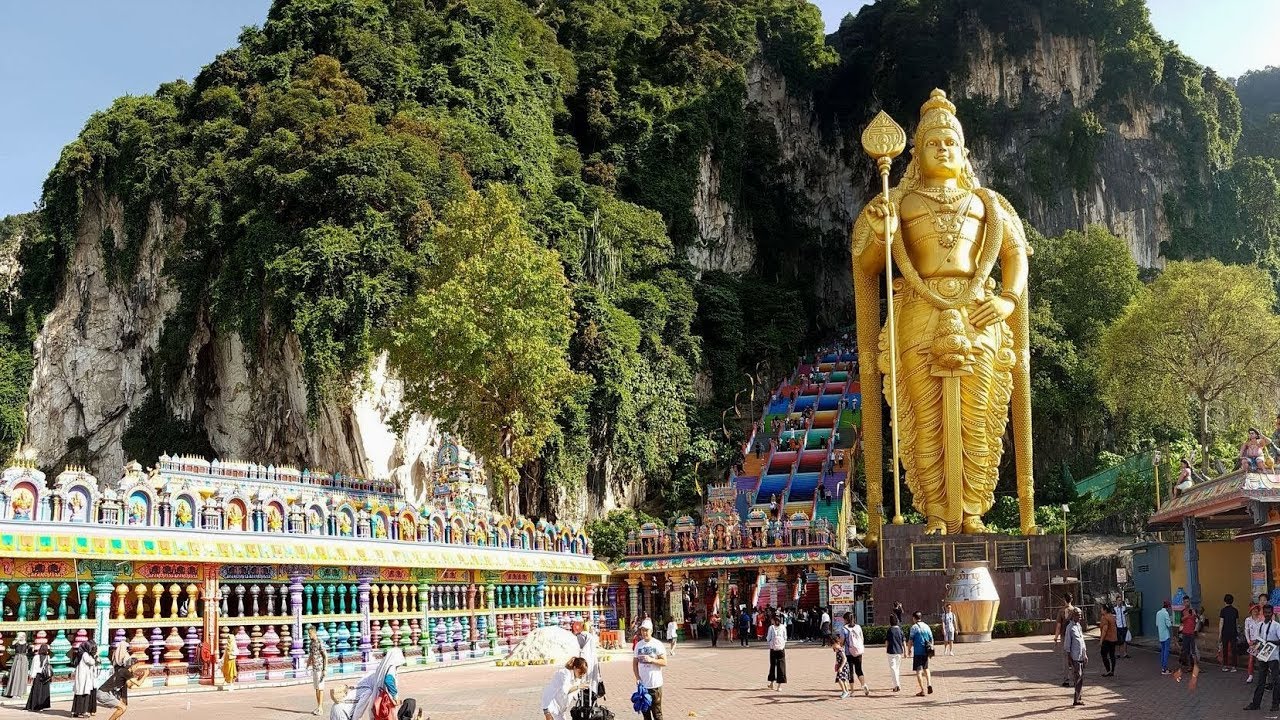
x=883 y=139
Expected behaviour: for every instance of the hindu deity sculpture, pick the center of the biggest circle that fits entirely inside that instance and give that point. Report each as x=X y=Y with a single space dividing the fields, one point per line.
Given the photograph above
x=76 y=503
x=183 y=514
x=23 y=501
x=275 y=523
x=961 y=340
x=235 y=517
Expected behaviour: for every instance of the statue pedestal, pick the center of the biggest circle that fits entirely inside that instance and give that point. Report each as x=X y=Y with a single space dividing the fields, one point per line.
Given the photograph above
x=918 y=568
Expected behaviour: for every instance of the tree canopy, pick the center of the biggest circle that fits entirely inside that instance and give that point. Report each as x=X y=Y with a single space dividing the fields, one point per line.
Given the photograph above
x=1197 y=352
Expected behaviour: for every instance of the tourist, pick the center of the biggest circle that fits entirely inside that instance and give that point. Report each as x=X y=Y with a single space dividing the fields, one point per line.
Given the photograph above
x=1228 y=618
x=83 y=660
x=360 y=702
x=1107 y=636
x=672 y=633
x=1188 y=658
x=1190 y=628
x=1185 y=479
x=777 y=639
x=1268 y=660
x=20 y=651
x=229 y=671
x=715 y=628
x=650 y=658
x=948 y=631
x=318 y=664
x=1164 y=631
x=1064 y=618
x=851 y=635
x=1121 y=610
x=1252 y=451
x=558 y=696
x=919 y=650
x=760 y=619
x=1074 y=649
x=895 y=646
x=125 y=673
x=842 y=671
x=825 y=628
x=41 y=674
x=1251 y=625
x=589 y=650
x=744 y=627
x=899 y=612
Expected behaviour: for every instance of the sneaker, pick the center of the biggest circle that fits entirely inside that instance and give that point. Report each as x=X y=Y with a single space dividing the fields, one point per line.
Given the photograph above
x=1234 y=669
x=1225 y=669
x=1067 y=684
x=1248 y=680
x=1165 y=672
x=897 y=689
x=1078 y=702
x=866 y=691
x=930 y=689
x=1252 y=707
x=844 y=694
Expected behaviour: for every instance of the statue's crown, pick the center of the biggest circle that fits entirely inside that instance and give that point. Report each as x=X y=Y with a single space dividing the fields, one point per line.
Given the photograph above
x=938 y=113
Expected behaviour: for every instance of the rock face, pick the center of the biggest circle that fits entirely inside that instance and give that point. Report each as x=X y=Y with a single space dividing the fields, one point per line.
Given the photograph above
x=1133 y=168
x=91 y=374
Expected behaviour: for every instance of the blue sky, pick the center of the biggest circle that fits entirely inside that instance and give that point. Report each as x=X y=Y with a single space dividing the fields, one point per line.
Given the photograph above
x=60 y=60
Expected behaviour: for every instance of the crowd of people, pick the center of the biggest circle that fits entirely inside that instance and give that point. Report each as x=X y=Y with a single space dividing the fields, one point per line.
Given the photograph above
x=91 y=687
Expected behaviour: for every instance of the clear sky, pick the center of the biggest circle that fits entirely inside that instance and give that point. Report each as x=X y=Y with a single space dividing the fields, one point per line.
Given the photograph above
x=60 y=60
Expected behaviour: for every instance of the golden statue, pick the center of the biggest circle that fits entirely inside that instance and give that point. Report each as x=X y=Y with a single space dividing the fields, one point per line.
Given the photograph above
x=957 y=346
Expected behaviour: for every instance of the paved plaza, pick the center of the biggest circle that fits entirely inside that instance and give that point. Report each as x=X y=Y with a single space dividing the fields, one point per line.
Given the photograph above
x=1002 y=679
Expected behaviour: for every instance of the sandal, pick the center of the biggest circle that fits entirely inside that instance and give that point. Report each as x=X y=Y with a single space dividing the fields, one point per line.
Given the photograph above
x=920 y=694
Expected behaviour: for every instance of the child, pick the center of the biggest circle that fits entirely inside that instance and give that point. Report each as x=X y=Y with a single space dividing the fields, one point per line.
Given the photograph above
x=842 y=670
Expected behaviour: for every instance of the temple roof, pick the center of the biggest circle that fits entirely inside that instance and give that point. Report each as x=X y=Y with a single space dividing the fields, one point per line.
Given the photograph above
x=1220 y=503
x=736 y=558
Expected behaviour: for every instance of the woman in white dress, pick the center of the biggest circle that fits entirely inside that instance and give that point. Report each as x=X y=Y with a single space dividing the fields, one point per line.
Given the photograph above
x=589 y=650
x=358 y=703
x=558 y=696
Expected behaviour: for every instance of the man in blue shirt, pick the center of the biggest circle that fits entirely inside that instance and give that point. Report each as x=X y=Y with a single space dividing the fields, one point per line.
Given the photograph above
x=1164 y=623
x=921 y=644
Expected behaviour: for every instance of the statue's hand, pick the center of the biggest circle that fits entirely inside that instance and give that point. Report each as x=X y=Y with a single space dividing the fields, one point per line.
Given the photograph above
x=880 y=213
x=991 y=311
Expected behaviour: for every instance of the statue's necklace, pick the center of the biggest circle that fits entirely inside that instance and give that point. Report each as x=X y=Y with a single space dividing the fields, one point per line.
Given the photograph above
x=947 y=223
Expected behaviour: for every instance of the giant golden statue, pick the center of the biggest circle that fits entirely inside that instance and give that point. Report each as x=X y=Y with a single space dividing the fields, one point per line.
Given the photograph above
x=958 y=343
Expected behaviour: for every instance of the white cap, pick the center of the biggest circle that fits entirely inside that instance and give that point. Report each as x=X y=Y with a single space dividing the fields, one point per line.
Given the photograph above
x=647 y=624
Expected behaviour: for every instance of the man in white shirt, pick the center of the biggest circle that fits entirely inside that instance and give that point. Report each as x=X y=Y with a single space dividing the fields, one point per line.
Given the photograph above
x=1122 y=626
x=824 y=627
x=650 y=658
x=672 y=634
x=1268 y=632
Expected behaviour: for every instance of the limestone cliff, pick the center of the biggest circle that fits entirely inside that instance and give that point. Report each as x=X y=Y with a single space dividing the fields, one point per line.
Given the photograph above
x=92 y=375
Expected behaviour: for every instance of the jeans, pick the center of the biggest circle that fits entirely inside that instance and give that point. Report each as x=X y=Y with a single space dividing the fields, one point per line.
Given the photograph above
x=655 y=710
x=1077 y=677
x=1164 y=655
x=1109 y=655
x=1264 y=670
x=778 y=666
x=895 y=663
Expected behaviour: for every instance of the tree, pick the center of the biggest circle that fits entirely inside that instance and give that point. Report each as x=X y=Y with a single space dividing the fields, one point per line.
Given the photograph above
x=1199 y=348
x=483 y=344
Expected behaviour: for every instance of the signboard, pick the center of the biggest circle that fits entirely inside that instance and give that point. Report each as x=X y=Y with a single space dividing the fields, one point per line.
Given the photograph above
x=1012 y=555
x=1122 y=576
x=840 y=591
x=1258 y=574
x=967 y=552
x=928 y=557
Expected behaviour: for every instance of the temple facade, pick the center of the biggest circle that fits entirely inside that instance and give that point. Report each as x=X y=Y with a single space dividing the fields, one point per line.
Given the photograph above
x=180 y=559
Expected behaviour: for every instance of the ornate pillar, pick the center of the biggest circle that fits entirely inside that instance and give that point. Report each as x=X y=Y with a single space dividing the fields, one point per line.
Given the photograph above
x=675 y=599
x=211 y=594
x=471 y=612
x=1192 y=558
x=633 y=596
x=296 y=576
x=590 y=602
x=541 y=600
x=103 y=587
x=365 y=578
x=824 y=587
x=424 y=606
x=493 y=619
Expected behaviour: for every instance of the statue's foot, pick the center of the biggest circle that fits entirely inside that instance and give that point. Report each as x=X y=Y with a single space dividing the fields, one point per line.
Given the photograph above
x=872 y=538
x=973 y=525
x=935 y=526
x=1032 y=530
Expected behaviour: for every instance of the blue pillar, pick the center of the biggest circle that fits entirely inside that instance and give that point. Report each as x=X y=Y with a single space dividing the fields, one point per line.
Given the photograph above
x=1192 y=558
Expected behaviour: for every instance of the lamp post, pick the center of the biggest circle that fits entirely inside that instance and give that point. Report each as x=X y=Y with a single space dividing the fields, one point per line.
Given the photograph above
x=1065 y=566
x=1155 y=466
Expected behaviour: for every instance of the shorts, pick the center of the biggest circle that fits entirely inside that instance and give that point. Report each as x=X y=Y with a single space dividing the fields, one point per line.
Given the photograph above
x=919 y=661
x=317 y=681
x=948 y=635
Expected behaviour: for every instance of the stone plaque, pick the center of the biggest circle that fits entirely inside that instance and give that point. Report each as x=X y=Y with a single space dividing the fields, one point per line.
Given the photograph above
x=1012 y=555
x=962 y=552
x=928 y=557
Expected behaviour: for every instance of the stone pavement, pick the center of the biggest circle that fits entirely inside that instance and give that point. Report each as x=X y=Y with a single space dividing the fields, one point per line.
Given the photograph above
x=1004 y=679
